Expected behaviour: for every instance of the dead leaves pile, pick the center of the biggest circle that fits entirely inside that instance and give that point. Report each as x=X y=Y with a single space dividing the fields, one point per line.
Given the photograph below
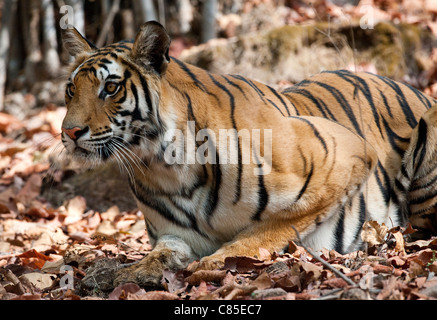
x=391 y=269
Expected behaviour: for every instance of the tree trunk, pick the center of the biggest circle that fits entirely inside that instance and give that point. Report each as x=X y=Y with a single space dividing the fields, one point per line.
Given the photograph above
x=51 y=59
x=31 y=20
x=145 y=10
x=5 y=31
x=185 y=15
x=128 y=27
x=209 y=11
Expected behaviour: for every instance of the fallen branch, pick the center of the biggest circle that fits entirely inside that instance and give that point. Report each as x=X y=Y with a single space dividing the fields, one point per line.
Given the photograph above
x=326 y=264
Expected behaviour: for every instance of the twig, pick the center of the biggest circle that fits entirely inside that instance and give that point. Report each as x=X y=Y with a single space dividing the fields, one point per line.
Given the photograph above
x=10 y=255
x=326 y=264
x=14 y=280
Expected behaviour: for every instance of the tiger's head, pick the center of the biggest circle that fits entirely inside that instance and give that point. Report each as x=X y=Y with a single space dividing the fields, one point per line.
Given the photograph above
x=113 y=95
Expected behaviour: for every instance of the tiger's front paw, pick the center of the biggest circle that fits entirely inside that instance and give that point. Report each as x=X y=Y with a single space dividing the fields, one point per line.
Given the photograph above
x=147 y=273
x=207 y=263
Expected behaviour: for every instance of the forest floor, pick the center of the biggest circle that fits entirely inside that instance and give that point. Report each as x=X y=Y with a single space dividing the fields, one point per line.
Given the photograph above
x=46 y=250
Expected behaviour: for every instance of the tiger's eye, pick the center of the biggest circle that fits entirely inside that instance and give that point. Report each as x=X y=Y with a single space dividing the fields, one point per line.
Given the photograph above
x=71 y=90
x=111 y=88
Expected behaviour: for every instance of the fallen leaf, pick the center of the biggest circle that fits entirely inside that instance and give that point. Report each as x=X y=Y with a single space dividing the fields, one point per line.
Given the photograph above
x=121 y=292
x=173 y=281
x=207 y=276
x=400 y=244
x=32 y=258
x=39 y=280
x=242 y=264
x=373 y=233
x=75 y=209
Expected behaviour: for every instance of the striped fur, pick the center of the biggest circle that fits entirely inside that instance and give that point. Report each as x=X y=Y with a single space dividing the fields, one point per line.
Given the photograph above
x=346 y=148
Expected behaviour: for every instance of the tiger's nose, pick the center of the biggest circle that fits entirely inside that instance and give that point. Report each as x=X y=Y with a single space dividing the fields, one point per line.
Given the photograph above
x=75 y=133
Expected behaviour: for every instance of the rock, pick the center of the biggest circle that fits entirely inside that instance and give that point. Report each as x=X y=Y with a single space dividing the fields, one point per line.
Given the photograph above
x=269 y=293
x=355 y=294
x=295 y=52
x=100 y=277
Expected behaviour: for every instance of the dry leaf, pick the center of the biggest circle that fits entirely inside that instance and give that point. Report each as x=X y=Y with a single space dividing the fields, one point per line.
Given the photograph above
x=39 y=280
x=373 y=233
x=400 y=245
x=75 y=209
x=121 y=292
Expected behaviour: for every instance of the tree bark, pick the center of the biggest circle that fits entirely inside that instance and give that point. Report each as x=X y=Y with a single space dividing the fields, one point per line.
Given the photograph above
x=146 y=10
x=51 y=59
x=185 y=15
x=5 y=32
x=209 y=11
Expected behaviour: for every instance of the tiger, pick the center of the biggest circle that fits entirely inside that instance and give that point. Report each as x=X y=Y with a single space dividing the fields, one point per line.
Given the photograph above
x=325 y=155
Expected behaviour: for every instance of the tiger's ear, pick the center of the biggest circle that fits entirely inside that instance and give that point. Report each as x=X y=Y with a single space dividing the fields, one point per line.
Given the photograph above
x=75 y=43
x=151 y=47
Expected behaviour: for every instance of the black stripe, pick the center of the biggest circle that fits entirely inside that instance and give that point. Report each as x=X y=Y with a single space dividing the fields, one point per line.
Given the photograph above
x=280 y=99
x=339 y=231
x=315 y=131
x=235 y=85
x=426 y=185
x=234 y=125
x=136 y=114
x=387 y=106
x=400 y=186
x=277 y=108
x=146 y=91
x=420 y=96
x=360 y=84
x=293 y=103
x=156 y=204
x=321 y=106
x=384 y=187
x=251 y=84
x=187 y=70
x=191 y=216
x=263 y=196
x=411 y=119
x=421 y=144
x=213 y=196
x=307 y=182
x=392 y=137
x=196 y=81
x=424 y=198
x=103 y=66
x=343 y=102
x=363 y=215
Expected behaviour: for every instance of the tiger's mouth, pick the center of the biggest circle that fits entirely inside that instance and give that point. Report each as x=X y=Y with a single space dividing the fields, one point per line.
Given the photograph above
x=100 y=153
x=81 y=152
